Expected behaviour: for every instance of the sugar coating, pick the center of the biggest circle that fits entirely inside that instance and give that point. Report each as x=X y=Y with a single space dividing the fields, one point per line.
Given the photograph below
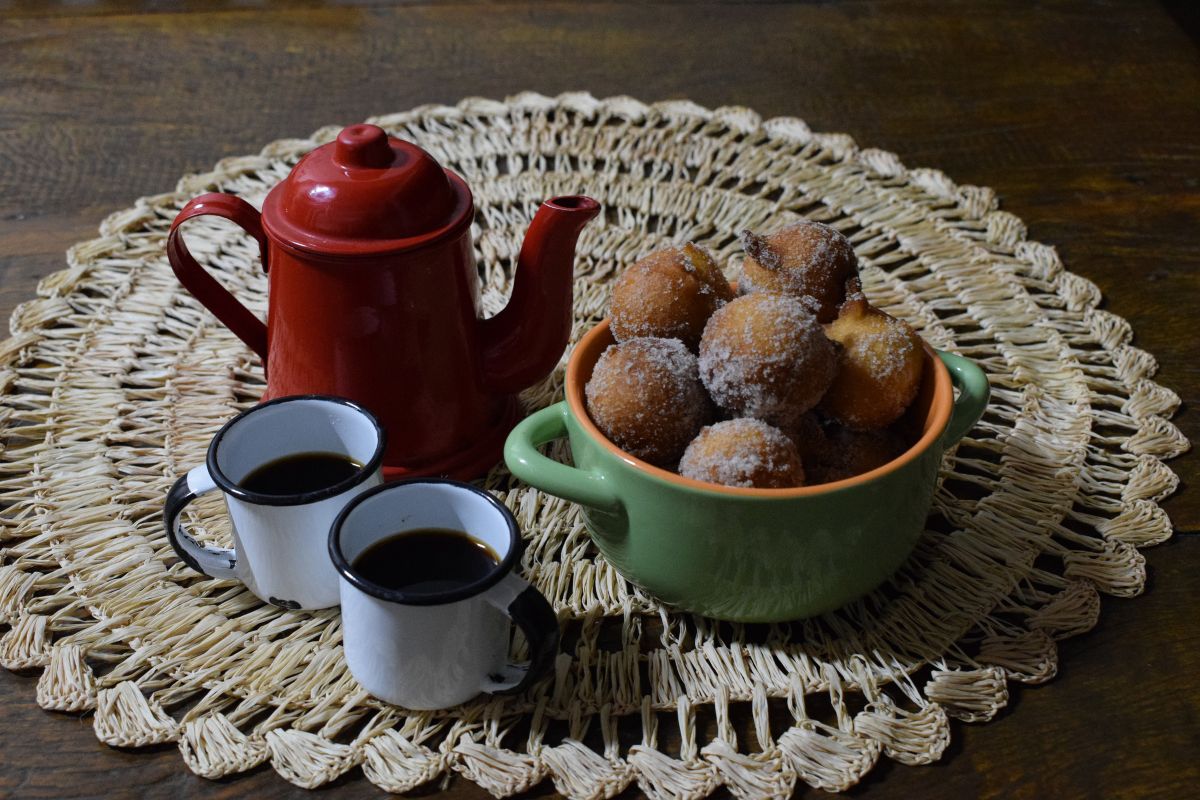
x=743 y=452
x=670 y=293
x=880 y=369
x=766 y=356
x=700 y=262
x=805 y=259
x=645 y=395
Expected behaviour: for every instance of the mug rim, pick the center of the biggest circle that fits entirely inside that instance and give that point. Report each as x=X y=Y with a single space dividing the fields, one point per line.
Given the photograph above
x=501 y=570
x=298 y=498
x=589 y=349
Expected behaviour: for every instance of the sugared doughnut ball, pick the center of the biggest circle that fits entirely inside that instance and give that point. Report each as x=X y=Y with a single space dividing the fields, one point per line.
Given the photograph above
x=645 y=395
x=849 y=453
x=805 y=259
x=670 y=293
x=766 y=356
x=880 y=369
x=743 y=452
x=808 y=436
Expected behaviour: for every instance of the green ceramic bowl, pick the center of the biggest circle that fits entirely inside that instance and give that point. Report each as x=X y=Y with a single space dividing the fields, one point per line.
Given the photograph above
x=748 y=555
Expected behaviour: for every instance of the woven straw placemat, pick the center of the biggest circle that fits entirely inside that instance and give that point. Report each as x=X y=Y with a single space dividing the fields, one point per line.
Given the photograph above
x=115 y=379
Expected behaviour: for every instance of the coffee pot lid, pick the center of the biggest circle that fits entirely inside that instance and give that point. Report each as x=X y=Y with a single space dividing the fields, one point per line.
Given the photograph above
x=366 y=193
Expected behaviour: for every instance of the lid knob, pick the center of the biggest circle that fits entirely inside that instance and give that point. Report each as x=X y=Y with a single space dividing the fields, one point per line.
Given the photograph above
x=363 y=146
x=365 y=192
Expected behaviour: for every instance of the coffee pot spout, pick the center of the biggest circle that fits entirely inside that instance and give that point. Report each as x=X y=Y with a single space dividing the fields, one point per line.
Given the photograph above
x=524 y=342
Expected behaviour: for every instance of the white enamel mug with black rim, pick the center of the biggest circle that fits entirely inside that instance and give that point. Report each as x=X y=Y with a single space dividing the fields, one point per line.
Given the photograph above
x=438 y=649
x=280 y=541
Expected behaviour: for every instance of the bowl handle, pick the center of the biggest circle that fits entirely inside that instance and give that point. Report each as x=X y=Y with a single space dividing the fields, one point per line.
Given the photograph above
x=523 y=460
x=973 y=393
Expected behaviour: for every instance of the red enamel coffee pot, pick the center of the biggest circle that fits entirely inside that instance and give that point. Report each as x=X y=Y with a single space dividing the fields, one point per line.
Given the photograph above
x=373 y=295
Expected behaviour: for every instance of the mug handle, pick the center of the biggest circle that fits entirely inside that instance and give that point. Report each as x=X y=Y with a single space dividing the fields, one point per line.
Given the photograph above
x=973 y=394
x=523 y=460
x=204 y=287
x=216 y=562
x=531 y=612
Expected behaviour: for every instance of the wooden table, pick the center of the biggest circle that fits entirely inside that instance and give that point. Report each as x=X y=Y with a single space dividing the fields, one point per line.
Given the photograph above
x=1083 y=116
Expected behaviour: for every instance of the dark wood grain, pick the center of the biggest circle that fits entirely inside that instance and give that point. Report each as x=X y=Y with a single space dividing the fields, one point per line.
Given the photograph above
x=1083 y=116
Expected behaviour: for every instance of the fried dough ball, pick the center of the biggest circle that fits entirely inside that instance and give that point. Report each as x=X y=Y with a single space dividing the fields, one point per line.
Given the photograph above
x=805 y=259
x=670 y=293
x=743 y=452
x=849 y=453
x=880 y=369
x=645 y=395
x=809 y=438
x=766 y=356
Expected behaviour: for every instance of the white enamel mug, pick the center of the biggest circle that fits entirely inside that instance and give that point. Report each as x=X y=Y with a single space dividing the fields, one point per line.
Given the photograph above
x=280 y=541
x=438 y=649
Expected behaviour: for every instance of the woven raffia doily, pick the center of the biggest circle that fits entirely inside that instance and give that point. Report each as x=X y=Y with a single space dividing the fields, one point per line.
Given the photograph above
x=115 y=379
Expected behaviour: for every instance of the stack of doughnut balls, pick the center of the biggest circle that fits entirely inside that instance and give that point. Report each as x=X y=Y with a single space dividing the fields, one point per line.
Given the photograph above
x=794 y=380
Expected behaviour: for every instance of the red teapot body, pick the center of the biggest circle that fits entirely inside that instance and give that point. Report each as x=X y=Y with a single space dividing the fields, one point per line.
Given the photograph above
x=373 y=295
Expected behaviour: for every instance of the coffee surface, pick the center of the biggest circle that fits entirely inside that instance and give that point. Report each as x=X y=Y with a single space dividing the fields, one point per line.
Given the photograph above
x=300 y=473
x=426 y=561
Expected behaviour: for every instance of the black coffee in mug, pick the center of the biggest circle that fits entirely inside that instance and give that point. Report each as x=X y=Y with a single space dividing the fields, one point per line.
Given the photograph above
x=300 y=473
x=426 y=561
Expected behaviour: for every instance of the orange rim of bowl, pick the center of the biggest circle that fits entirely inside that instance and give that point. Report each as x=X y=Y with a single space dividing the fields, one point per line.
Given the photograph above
x=588 y=351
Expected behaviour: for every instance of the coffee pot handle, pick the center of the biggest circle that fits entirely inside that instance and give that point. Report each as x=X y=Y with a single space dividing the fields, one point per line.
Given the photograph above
x=204 y=287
